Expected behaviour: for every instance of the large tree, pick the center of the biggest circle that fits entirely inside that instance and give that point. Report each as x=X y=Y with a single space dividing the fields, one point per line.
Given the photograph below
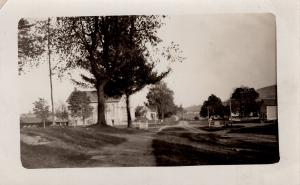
x=41 y=110
x=243 y=101
x=79 y=105
x=161 y=98
x=109 y=48
x=132 y=78
x=212 y=107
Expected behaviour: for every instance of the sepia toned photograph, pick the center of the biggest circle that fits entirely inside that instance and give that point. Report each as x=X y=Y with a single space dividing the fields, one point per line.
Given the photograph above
x=148 y=90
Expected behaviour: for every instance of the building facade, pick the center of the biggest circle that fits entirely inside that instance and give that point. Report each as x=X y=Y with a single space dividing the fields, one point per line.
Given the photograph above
x=115 y=111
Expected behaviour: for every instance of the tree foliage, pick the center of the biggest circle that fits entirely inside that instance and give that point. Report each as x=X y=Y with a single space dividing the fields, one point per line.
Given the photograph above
x=132 y=78
x=162 y=98
x=41 y=109
x=212 y=106
x=30 y=44
x=79 y=105
x=244 y=101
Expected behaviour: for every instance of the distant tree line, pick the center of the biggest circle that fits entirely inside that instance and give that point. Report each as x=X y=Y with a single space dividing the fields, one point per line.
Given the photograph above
x=242 y=102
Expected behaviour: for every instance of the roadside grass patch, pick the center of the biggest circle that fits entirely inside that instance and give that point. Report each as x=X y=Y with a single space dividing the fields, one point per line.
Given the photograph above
x=44 y=156
x=174 y=129
x=213 y=129
x=270 y=129
x=89 y=138
x=115 y=130
x=69 y=146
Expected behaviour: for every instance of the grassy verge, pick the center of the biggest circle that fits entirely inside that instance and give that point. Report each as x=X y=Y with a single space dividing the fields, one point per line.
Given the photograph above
x=44 y=156
x=68 y=146
x=271 y=129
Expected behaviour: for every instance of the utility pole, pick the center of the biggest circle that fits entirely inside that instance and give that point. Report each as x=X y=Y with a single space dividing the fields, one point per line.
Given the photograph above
x=50 y=70
x=209 y=120
x=230 y=109
x=208 y=112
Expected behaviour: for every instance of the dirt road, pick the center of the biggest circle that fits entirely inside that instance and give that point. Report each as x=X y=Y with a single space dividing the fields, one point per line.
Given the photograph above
x=183 y=143
x=135 y=151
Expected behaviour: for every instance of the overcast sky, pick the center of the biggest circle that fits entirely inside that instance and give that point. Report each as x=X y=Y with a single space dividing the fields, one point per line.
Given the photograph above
x=222 y=52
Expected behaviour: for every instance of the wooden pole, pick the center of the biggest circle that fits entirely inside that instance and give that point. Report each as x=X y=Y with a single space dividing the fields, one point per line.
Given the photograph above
x=230 y=108
x=50 y=70
x=208 y=117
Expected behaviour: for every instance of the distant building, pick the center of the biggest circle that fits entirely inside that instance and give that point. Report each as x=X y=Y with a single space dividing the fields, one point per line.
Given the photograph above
x=190 y=113
x=115 y=111
x=149 y=113
x=268 y=102
x=30 y=120
x=268 y=109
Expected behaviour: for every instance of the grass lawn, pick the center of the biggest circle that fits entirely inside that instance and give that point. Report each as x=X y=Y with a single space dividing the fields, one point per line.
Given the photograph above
x=67 y=147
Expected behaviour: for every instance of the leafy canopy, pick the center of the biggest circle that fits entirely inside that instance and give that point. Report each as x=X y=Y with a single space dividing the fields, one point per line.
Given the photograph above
x=30 y=45
x=79 y=104
x=162 y=98
x=212 y=106
x=41 y=109
x=244 y=101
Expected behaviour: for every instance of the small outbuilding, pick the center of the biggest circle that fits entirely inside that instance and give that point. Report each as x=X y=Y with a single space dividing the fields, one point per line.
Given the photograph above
x=268 y=109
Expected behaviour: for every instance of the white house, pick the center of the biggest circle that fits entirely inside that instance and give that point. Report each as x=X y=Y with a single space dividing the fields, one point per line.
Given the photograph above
x=149 y=113
x=115 y=111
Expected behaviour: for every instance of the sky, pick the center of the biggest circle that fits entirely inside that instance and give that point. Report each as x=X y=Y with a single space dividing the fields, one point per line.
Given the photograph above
x=222 y=52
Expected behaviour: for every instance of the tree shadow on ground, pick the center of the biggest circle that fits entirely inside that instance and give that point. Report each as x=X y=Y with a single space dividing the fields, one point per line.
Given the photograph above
x=217 y=150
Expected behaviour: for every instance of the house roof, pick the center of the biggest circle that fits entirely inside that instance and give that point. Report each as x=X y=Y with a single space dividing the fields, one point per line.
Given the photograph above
x=269 y=92
x=149 y=109
x=32 y=120
x=94 y=97
x=269 y=102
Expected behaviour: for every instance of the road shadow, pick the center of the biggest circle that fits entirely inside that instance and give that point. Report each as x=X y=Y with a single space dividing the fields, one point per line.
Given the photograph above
x=174 y=147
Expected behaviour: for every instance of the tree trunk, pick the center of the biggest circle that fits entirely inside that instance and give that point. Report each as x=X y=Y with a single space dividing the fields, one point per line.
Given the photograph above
x=44 y=125
x=129 y=121
x=101 y=106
